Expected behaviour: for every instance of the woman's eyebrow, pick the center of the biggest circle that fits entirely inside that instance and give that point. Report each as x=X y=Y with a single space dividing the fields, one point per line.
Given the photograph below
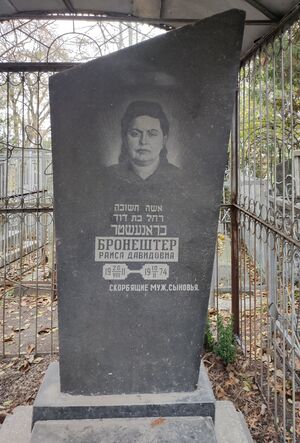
x=141 y=130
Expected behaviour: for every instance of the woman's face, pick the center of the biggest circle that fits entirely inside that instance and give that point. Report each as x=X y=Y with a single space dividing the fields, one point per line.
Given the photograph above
x=145 y=140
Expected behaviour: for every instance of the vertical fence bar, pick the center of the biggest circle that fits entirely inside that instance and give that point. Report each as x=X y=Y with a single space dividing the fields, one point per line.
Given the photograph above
x=5 y=249
x=293 y=271
x=38 y=216
x=234 y=218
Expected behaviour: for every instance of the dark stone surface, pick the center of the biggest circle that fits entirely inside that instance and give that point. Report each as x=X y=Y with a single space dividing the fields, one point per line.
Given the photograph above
x=52 y=404
x=140 y=430
x=141 y=331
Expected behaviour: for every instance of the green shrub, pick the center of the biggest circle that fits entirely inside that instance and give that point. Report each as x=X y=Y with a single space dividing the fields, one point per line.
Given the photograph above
x=225 y=346
x=209 y=341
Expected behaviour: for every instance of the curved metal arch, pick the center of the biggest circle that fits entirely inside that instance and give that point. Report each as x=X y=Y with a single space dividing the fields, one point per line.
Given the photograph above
x=73 y=34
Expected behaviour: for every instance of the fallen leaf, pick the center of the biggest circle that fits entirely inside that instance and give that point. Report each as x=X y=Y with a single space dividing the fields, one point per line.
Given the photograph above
x=7 y=403
x=9 y=365
x=220 y=392
x=10 y=293
x=158 y=421
x=30 y=359
x=279 y=373
x=3 y=415
x=18 y=329
x=263 y=409
x=25 y=366
x=8 y=338
x=247 y=386
x=30 y=349
x=44 y=331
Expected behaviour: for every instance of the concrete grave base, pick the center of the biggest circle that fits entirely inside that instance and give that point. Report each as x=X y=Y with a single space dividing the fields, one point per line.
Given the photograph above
x=51 y=404
x=126 y=430
x=230 y=426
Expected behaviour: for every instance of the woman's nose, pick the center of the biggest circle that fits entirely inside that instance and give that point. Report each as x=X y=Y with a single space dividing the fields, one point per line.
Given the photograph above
x=144 y=138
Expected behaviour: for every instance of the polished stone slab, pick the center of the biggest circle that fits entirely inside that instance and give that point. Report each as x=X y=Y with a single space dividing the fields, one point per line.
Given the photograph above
x=134 y=251
x=52 y=404
x=138 y=430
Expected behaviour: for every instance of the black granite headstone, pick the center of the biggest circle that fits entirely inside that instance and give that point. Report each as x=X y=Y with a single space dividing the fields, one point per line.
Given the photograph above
x=139 y=148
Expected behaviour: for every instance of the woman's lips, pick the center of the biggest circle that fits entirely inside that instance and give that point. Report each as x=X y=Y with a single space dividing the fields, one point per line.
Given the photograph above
x=143 y=151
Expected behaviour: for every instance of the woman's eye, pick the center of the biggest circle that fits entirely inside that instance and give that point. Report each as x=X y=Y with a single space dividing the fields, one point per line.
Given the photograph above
x=152 y=133
x=134 y=134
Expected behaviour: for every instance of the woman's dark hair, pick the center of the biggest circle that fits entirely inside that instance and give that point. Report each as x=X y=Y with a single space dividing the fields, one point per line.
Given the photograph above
x=137 y=109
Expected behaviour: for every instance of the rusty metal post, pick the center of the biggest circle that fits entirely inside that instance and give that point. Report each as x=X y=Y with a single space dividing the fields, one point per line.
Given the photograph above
x=234 y=219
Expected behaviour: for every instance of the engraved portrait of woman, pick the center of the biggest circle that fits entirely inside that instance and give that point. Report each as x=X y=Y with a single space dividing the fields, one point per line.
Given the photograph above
x=144 y=135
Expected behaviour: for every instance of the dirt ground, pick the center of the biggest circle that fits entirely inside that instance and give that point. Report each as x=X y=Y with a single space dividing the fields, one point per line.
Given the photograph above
x=29 y=321
x=236 y=383
x=20 y=379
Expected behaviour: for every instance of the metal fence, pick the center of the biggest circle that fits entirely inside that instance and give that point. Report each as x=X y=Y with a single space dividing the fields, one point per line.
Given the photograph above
x=257 y=267
x=27 y=269
x=266 y=209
